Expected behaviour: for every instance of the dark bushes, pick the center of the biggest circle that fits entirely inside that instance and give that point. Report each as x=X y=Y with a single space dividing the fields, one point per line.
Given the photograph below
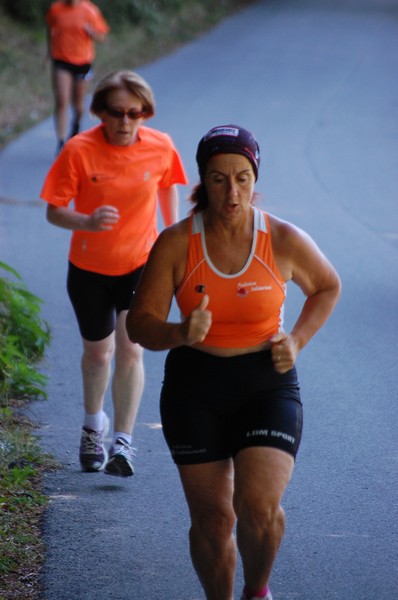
x=116 y=12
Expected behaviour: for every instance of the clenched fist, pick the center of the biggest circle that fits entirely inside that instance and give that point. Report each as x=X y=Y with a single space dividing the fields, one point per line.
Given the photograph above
x=198 y=323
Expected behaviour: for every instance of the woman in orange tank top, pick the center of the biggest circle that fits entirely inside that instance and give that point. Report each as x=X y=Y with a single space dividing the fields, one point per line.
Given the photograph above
x=230 y=402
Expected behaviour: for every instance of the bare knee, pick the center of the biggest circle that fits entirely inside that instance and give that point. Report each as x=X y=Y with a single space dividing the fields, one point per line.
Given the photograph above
x=214 y=525
x=260 y=516
x=61 y=103
x=79 y=93
x=97 y=357
x=128 y=354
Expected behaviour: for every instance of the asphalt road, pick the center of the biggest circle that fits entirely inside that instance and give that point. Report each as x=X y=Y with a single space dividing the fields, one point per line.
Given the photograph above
x=316 y=80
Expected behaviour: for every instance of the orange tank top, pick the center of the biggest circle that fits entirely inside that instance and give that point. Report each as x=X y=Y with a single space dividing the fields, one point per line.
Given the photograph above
x=247 y=307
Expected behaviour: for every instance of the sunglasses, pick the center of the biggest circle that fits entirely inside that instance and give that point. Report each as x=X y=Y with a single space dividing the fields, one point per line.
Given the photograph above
x=130 y=114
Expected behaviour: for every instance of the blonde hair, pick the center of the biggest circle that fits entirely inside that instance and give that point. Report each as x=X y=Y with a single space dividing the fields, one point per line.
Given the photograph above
x=127 y=80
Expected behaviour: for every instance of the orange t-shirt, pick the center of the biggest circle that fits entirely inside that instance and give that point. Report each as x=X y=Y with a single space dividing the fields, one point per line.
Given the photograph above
x=246 y=307
x=69 y=41
x=93 y=173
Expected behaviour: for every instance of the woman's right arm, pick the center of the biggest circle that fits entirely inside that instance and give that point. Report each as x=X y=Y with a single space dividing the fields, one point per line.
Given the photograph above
x=102 y=218
x=147 y=317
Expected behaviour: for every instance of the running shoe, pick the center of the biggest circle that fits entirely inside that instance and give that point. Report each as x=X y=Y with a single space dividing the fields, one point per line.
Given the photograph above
x=266 y=597
x=120 y=459
x=93 y=454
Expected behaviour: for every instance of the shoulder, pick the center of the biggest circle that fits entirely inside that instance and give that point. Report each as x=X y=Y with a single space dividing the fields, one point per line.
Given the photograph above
x=284 y=233
x=154 y=136
x=172 y=243
x=79 y=150
x=299 y=257
x=292 y=247
x=176 y=235
x=86 y=139
x=169 y=253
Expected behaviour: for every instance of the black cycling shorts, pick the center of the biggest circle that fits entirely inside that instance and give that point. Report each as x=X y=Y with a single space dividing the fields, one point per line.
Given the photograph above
x=212 y=407
x=96 y=299
x=79 y=72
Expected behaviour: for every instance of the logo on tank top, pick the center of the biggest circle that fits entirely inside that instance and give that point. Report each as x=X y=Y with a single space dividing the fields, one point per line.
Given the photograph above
x=200 y=288
x=243 y=289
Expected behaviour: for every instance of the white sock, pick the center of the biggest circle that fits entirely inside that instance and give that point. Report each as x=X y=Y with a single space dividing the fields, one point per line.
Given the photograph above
x=95 y=421
x=123 y=435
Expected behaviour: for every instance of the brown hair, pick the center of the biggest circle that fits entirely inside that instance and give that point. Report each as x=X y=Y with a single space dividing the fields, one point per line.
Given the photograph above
x=128 y=80
x=198 y=198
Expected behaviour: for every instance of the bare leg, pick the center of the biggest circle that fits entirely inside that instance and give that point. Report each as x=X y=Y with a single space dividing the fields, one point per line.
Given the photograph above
x=62 y=86
x=208 y=490
x=261 y=477
x=128 y=378
x=80 y=88
x=96 y=369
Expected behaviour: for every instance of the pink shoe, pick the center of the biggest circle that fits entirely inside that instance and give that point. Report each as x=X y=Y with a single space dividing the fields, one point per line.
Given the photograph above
x=266 y=597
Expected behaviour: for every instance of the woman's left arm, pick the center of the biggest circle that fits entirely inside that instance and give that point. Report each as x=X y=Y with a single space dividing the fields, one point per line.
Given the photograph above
x=168 y=201
x=320 y=283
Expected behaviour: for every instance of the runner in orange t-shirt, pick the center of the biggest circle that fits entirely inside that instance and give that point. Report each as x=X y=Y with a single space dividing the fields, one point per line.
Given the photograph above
x=73 y=26
x=114 y=173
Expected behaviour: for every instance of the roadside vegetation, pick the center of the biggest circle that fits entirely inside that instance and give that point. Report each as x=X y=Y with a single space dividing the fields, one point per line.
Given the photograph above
x=142 y=31
x=24 y=337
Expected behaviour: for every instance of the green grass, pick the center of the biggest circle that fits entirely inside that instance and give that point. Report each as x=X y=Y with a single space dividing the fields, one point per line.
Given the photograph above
x=22 y=505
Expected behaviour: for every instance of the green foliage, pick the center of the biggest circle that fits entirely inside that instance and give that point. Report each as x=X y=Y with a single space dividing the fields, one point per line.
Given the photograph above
x=21 y=509
x=18 y=476
x=117 y=12
x=122 y=12
x=26 y=11
x=24 y=336
x=21 y=504
x=23 y=339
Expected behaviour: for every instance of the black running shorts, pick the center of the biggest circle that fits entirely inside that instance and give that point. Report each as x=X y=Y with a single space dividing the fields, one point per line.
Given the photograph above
x=79 y=72
x=213 y=407
x=97 y=298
